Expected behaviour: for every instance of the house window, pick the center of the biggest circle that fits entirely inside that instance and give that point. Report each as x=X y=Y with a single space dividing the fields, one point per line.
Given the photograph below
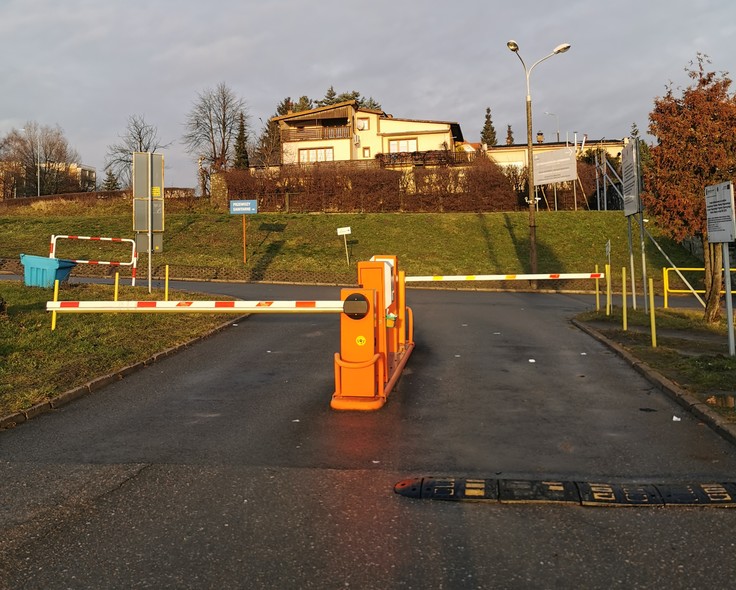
x=402 y=145
x=316 y=155
x=363 y=124
x=366 y=152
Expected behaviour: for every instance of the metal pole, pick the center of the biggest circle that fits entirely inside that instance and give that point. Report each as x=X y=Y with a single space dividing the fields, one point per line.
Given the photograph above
x=643 y=257
x=530 y=168
x=642 y=231
x=631 y=263
x=150 y=221
x=597 y=182
x=729 y=301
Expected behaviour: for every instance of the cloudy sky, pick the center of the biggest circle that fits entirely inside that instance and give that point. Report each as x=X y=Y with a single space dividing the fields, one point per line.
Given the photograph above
x=87 y=65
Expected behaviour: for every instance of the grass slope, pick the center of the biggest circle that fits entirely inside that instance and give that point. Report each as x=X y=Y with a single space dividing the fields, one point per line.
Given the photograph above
x=448 y=243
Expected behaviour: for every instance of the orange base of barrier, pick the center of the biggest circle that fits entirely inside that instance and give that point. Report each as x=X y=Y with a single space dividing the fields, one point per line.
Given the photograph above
x=367 y=404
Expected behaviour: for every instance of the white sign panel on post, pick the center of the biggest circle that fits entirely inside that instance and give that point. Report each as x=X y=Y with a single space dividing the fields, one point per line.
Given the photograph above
x=630 y=169
x=719 y=210
x=555 y=166
x=722 y=229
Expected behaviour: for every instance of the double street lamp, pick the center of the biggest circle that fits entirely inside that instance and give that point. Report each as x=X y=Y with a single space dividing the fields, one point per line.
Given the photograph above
x=514 y=46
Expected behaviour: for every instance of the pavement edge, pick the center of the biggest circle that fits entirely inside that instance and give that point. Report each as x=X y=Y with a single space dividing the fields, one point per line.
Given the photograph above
x=689 y=402
x=13 y=420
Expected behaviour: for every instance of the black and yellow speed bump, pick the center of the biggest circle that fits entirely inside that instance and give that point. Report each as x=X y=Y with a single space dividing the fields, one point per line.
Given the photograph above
x=595 y=493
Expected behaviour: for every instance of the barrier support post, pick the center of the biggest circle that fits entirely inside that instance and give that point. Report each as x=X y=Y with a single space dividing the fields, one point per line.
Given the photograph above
x=608 y=289
x=597 y=291
x=117 y=285
x=623 y=298
x=652 y=319
x=665 y=282
x=56 y=298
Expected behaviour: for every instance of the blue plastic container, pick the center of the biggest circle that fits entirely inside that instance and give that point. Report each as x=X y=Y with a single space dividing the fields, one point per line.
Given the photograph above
x=39 y=271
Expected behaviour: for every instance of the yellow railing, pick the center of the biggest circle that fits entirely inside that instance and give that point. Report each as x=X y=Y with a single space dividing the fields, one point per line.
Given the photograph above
x=668 y=289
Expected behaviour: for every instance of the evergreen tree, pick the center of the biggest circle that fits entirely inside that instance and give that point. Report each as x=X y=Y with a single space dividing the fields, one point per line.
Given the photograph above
x=240 y=161
x=111 y=182
x=330 y=98
x=371 y=103
x=488 y=133
x=284 y=107
x=304 y=104
x=509 y=135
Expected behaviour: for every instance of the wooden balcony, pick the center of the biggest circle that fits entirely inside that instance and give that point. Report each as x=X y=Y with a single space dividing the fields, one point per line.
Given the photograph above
x=315 y=133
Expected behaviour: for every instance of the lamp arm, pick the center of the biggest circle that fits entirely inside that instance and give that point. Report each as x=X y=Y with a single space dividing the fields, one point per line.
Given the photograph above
x=536 y=63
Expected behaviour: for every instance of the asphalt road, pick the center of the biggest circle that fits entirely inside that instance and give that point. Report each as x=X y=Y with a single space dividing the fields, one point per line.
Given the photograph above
x=224 y=467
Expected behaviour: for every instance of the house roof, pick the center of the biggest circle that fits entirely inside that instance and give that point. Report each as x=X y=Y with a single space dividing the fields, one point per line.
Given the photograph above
x=342 y=110
x=337 y=110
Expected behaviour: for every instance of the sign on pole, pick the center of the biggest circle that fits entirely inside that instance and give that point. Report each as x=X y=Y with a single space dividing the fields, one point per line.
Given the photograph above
x=148 y=204
x=555 y=166
x=719 y=209
x=244 y=207
x=345 y=232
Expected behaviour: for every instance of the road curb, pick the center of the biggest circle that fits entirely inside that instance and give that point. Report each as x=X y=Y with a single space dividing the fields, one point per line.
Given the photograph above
x=17 y=418
x=688 y=401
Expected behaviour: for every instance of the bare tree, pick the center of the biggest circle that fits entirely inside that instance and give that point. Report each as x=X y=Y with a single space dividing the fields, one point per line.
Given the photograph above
x=212 y=125
x=139 y=137
x=40 y=161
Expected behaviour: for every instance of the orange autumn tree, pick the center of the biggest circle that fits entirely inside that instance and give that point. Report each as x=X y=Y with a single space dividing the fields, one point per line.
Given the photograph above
x=695 y=148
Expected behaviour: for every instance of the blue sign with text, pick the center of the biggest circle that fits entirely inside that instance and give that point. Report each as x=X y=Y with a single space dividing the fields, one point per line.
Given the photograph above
x=243 y=207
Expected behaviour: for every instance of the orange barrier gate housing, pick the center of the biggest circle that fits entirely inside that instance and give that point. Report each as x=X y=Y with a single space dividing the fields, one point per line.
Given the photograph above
x=376 y=328
x=376 y=336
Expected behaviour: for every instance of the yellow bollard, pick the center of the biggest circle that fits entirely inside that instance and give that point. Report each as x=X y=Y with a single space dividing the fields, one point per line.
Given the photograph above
x=117 y=285
x=166 y=287
x=597 y=291
x=623 y=297
x=56 y=298
x=651 y=313
x=666 y=283
x=608 y=289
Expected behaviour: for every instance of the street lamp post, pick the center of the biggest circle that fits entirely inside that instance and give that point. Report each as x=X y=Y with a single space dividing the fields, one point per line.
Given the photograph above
x=514 y=47
x=558 y=123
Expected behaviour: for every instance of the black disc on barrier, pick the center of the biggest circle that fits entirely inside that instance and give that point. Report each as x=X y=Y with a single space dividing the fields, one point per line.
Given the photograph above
x=356 y=306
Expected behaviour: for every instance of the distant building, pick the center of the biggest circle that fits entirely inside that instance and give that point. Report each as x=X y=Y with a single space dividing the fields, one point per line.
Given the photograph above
x=517 y=154
x=56 y=178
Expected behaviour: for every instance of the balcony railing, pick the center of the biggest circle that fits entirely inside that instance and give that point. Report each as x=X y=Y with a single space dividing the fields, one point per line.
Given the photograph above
x=315 y=133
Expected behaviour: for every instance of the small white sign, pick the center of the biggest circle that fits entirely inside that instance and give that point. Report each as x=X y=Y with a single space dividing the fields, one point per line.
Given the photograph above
x=343 y=231
x=719 y=210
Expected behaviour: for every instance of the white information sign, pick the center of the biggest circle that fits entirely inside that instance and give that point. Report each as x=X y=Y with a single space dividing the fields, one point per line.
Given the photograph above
x=719 y=210
x=555 y=166
x=630 y=169
x=343 y=231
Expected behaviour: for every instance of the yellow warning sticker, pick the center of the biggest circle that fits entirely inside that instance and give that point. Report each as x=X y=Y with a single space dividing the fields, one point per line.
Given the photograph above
x=155 y=191
x=361 y=340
